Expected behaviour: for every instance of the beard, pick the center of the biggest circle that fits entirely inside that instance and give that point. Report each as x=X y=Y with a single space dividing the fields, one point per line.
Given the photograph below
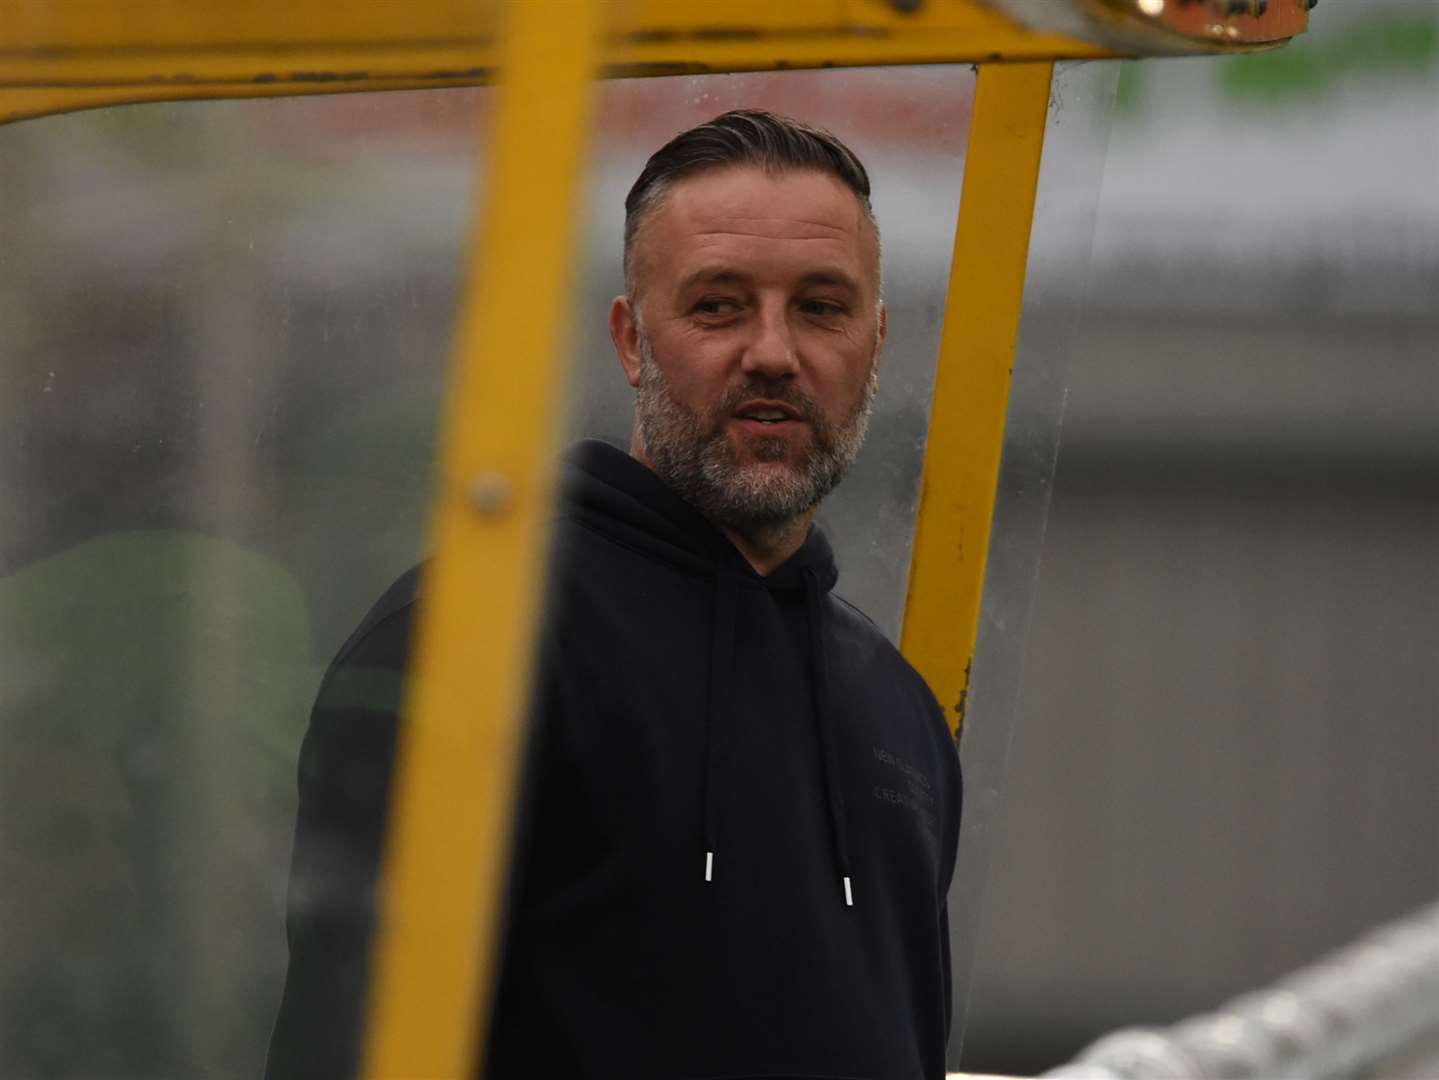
x=691 y=451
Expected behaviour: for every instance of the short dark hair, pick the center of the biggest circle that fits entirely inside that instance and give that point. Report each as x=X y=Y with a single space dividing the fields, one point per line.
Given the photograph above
x=741 y=137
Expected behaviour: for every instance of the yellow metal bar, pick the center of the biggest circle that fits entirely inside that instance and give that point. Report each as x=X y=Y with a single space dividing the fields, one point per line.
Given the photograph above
x=75 y=54
x=447 y=851
x=180 y=24
x=86 y=82
x=971 y=392
x=26 y=103
x=87 y=53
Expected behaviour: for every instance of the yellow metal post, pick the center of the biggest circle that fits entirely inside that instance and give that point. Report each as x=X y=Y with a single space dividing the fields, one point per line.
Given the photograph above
x=971 y=392
x=447 y=850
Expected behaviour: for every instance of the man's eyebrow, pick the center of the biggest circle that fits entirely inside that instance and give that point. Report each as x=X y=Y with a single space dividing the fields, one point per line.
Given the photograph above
x=714 y=275
x=831 y=277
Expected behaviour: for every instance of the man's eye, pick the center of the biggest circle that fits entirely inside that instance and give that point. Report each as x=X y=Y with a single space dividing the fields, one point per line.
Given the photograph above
x=715 y=305
x=823 y=308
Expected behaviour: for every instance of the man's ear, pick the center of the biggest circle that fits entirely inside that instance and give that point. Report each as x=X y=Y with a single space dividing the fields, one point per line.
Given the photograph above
x=625 y=333
x=880 y=330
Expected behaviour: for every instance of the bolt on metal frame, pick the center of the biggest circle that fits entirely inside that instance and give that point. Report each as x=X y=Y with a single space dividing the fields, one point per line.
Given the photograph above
x=458 y=762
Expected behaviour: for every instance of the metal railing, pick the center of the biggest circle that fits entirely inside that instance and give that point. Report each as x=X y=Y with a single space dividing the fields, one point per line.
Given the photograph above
x=1369 y=1010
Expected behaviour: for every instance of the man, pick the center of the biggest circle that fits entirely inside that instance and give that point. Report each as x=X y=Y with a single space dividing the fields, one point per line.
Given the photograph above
x=741 y=804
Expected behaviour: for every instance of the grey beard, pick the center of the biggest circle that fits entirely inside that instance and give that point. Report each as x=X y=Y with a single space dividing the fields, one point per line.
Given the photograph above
x=690 y=452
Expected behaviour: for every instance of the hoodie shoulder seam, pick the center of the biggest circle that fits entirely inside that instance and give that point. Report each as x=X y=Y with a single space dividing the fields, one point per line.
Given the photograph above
x=894 y=652
x=857 y=611
x=352 y=646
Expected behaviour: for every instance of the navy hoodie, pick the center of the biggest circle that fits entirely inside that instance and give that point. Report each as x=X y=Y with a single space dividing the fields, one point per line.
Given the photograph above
x=737 y=831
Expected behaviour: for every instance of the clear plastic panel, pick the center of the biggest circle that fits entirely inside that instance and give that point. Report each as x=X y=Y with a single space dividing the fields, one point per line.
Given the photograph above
x=1228 y=728
x=224 y=331
x=1071 y=174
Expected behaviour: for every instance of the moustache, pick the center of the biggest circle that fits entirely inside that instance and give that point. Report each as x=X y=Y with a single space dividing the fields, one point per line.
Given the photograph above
x=770 y=390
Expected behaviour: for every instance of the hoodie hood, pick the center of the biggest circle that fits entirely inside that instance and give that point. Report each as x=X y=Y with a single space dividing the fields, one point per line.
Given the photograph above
x=609 y=491
x=617 y=495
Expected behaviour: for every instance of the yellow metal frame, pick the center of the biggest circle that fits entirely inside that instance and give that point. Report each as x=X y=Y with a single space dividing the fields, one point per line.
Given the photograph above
x=452 y=816
x=457 y=769
x=971 y=390
x=125 y=51
x=105 y=53
x=108 y=54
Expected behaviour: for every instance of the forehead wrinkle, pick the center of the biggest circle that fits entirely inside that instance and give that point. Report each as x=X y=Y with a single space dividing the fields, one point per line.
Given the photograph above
x=722 y=273
x=781 y=219
x=753 y=236
x=778 y=226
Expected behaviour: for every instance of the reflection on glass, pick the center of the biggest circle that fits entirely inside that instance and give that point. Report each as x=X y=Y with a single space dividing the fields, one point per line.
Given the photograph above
x=223 y=329
x=224 y=332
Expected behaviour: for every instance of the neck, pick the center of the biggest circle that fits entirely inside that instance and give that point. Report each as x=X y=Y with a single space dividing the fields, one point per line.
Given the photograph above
x=764 y=547
x=767 y=549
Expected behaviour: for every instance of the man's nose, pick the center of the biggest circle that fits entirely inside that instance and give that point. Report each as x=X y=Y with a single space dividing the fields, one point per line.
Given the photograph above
x=771 y=350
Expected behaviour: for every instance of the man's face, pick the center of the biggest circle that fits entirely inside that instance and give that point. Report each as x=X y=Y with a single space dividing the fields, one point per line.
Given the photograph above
x=756 y=340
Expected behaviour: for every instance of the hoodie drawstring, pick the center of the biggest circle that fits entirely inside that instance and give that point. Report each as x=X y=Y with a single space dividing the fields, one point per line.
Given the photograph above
x=717 y=711
x=718 y=719
x=824 y=727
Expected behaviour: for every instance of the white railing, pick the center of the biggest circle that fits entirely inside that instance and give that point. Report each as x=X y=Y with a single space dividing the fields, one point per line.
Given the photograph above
x=1368 y=1011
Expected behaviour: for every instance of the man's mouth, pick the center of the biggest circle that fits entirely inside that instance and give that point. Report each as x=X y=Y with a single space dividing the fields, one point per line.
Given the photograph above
x=768 y=414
